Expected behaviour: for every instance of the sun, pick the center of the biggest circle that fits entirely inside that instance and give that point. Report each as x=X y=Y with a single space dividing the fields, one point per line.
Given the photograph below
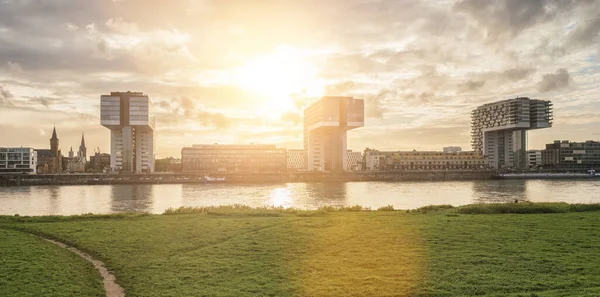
x=276 y=77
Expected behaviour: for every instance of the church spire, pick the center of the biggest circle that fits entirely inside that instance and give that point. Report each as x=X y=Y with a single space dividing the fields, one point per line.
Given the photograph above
x=82 y=141
x=54 y=133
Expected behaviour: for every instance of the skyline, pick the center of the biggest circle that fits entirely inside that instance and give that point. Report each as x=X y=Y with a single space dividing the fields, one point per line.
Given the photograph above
x=242 y=74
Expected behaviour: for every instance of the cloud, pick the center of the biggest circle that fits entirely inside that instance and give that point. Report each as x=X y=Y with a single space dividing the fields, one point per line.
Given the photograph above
x=292 y=117
x=5 y=97
x=554 y=81
x=516 y=74
x=375 y=105
x=470 y=86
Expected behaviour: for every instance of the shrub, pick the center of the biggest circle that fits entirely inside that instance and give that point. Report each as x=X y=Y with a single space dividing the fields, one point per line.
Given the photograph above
x=429 y=208
x=515 y=208
x=386 y=208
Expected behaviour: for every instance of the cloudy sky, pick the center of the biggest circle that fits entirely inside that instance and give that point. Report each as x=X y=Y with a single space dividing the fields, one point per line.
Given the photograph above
x=241 y=71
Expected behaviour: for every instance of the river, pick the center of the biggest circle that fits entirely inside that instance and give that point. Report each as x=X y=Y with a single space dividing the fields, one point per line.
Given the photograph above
x=68 y=200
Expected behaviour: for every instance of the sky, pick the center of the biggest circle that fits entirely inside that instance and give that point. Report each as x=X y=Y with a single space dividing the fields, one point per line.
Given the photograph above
x=227 y=71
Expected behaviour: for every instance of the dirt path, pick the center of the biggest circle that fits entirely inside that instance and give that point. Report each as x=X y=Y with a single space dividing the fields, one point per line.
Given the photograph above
x=110 y=286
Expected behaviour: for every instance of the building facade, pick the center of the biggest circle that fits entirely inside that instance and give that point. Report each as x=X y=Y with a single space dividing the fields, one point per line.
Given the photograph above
x=534 y=158
x=424 y=160
x=295 y=160
x=130 y=118
x=353 y=161
x=499 y=129
x=206 y=158
x=565 y=155
x=18 y=160
x=326 y=123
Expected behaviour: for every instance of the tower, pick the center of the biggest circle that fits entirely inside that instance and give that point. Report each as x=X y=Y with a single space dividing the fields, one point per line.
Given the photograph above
x=54 y=143
x=82 y=154
x=326 y=123
x=71 y=154
x=130 y=118
x=499 y=129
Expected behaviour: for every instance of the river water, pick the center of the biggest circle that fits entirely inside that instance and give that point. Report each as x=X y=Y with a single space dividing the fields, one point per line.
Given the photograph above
x=68 y=200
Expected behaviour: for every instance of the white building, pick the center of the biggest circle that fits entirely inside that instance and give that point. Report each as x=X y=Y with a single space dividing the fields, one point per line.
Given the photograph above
x=295 y=160
x=326 y=123
x=534 y=158
x=499 y=129
x=452 y=149
x=130 y=118
x=374 y=160
x=18 y=160
x=354 y=161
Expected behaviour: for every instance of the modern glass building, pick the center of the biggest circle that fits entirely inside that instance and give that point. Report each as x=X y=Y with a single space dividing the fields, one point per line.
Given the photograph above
x=326 y=123
x=18 y=160
x=207 y=158
x=565 y=155
x=131 y=121
x=499 y=129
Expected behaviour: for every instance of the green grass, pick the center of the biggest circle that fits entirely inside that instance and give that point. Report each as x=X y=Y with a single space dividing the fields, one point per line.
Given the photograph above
x=30 y=266
x=526 y=208
x=438 y=251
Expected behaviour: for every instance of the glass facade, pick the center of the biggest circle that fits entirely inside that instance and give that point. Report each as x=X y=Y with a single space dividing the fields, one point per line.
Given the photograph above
x=216 y=158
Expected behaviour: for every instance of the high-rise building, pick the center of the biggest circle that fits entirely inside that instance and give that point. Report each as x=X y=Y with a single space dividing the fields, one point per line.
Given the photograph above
x=130 y=118
x=499 y=129
x=326 y=123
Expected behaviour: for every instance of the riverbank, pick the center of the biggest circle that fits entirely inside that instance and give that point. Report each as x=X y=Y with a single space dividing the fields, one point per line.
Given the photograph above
x=241 y=178
x=241 y=251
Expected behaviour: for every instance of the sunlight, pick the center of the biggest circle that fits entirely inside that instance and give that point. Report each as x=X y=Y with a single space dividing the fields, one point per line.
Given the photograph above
x=276 y=77
x=280 y=197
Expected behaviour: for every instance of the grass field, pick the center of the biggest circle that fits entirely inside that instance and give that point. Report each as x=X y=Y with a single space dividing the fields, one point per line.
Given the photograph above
x=435 y=251
x=30 y=266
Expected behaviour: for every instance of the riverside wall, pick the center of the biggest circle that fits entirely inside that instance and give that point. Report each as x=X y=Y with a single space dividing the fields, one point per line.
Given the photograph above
x=283 y=177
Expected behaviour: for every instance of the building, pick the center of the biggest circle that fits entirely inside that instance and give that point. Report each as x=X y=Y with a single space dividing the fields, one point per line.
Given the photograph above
x=18 y=160
x=206 y=158
x=534 y=158
x=82 y=153
x=130 y=118
x=295 y=160
x=50 y=160
x=565 y=155
x=499 y=129
x=326 y=123
x=353 y=161
x=100 y=162
x=452 y=149
x=424 y=160
x=374 y=160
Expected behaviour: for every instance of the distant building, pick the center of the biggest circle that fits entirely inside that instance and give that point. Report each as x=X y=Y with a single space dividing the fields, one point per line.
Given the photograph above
x=452 y=149
x=534 y=158
x=18 y=160
x=50 y=160
x=82 y=153
x=206 y=158
x=499 y=129
x=295 y=160
x=130 y=118
x=567 y=155
x=353 y=161
x=100 y=162
x=326 y=123
x=424 y=160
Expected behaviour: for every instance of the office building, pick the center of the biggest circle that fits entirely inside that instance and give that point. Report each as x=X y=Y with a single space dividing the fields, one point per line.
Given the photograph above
x=499 y=129
x=100 y=162
x=565 y=155
x=423 y=160
x=353 y=161
x=130 y=118
x=326 y=123
x=206 y=158
x=295 y=160
x=18 y=160
x=534 y=158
